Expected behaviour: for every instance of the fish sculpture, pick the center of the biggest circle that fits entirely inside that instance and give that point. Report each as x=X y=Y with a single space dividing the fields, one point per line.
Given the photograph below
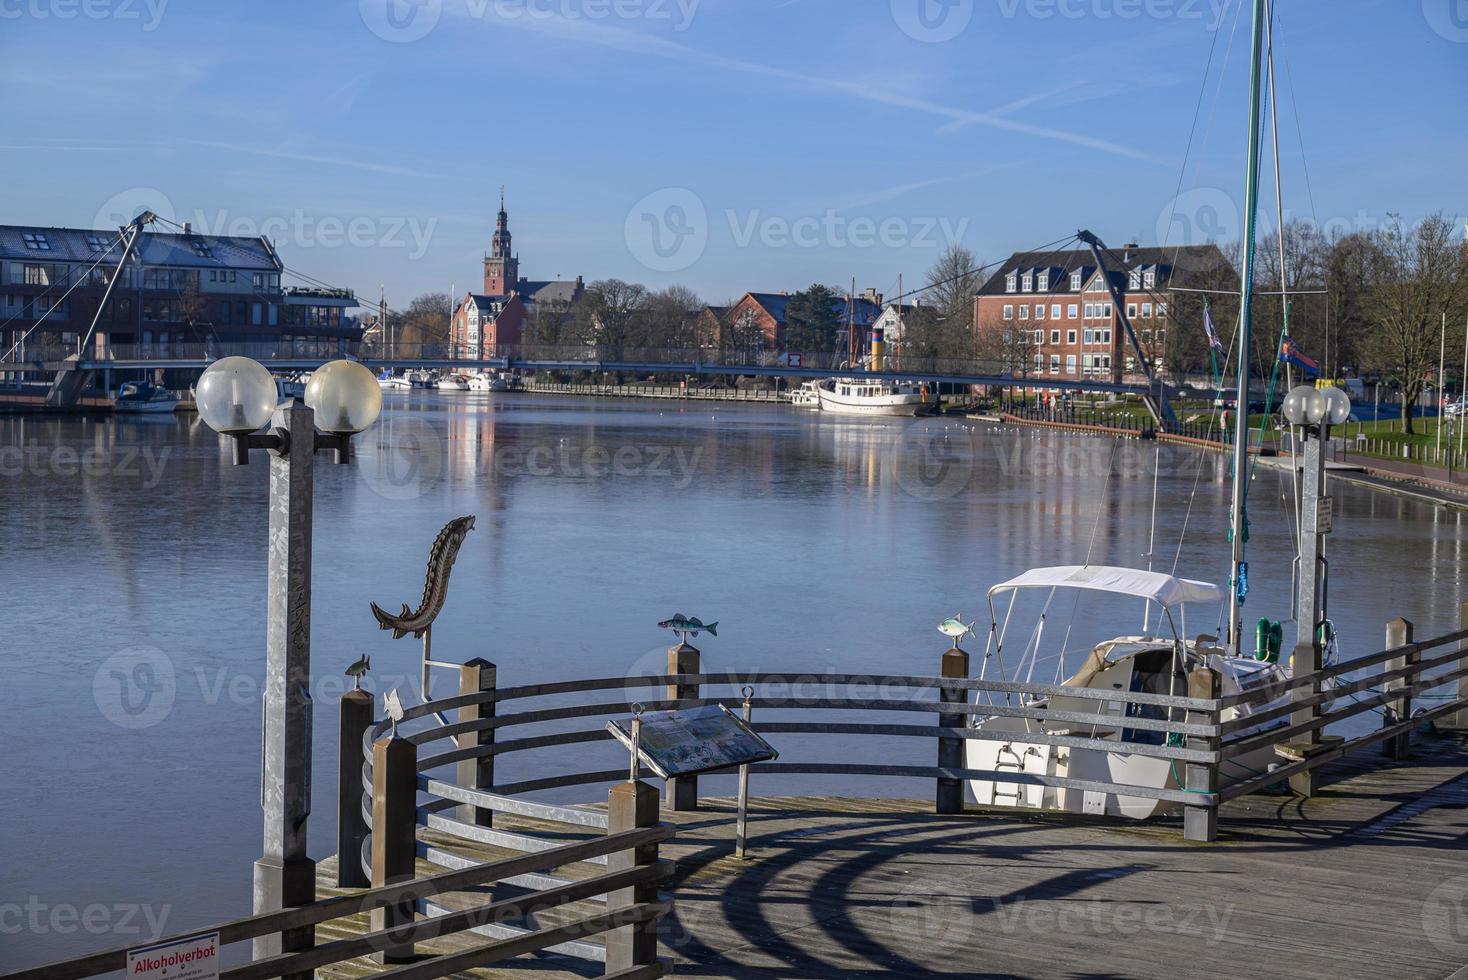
x=955 y=629
x=686 y=627
x=358 y=670
x=436 y=586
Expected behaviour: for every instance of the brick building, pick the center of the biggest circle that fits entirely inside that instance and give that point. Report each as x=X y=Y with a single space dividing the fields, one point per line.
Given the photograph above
x=1055 y=313
x=766 y=313
x=178 y=289
x=487 y=323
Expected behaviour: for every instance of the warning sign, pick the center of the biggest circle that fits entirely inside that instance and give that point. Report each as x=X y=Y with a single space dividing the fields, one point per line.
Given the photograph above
x=194 y=958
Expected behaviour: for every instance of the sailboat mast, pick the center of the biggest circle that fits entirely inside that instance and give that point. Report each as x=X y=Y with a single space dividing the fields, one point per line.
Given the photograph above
x=1239 y=531
x=1284 y=284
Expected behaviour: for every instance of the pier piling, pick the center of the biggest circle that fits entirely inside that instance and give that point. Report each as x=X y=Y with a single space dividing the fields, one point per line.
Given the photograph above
x=1200 y=821
x=351 y=828
x=477 y=677
x=394 y=835
x=1305 y=661
x=955 y=665
x=632 y=805
x=1458 y=721
x=682 y=793
x=1399 y=633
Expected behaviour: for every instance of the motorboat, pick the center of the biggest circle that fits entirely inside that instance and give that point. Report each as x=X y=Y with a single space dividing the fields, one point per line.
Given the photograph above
x=144 y=398
x=452 y=382
x=861 y=396
x=391 y=382
x=1156 y=661
x=492 y=381
x=808 y=396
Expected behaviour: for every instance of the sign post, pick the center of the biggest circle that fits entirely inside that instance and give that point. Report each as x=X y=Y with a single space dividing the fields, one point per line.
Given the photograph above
x=194 y=958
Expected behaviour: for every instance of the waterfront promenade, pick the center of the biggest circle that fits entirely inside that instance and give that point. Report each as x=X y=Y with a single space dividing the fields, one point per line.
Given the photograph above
x=1365 y=880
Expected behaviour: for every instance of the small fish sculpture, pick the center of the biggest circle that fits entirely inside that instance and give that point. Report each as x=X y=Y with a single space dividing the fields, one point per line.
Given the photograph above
x=358 y=670
x=686 y=627
x=955 y=629
x=394 y=708
x=435 y=587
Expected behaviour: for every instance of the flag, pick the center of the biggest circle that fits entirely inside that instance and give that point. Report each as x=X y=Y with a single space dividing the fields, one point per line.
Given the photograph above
x=1290 y=353
x=1213 y=340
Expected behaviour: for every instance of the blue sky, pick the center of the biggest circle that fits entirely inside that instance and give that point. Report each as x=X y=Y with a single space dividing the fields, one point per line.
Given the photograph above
x=724 y=144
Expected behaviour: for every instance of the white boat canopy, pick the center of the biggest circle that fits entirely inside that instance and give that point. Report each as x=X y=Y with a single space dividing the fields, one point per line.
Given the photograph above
x=1165 y=590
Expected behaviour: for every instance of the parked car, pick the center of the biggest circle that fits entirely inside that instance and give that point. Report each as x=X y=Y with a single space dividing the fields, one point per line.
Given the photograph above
x=1455 y=408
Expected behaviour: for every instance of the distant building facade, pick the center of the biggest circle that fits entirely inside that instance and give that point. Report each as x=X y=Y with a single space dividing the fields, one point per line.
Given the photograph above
x=1056 y=308
x=178 y=289
x=766 y=313
x=486 y=323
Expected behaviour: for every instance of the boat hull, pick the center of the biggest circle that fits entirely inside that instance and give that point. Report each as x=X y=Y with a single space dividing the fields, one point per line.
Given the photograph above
x=898 y=406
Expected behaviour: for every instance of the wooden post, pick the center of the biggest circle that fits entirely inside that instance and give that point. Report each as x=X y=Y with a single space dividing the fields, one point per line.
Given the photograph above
x=681 y=794
x=1305 y=662
x=1458 y=721
x=950 y=750
x=1399 y=634
x=1200 y=822
x=394 y=834
x=476 y=677
x=631 y=805
x=351 y=827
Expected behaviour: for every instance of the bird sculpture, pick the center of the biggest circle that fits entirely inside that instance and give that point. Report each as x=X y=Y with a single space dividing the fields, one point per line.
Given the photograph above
x=394 y=709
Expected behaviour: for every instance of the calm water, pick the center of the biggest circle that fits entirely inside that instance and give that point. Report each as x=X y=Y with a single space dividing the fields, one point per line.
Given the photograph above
x=817 y=543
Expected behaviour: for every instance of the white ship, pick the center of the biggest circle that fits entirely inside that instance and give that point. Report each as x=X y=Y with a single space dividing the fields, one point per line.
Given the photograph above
x=852 y=396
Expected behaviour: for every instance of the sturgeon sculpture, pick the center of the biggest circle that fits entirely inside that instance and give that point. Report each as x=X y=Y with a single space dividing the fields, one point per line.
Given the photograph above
x=435 y=588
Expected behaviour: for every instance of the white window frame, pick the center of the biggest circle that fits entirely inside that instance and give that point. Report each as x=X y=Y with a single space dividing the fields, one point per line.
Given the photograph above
x=1149 y=279
x=1008 y=311
x=1024 y=311
x=1070 y=364
x=1009 y=282
x=1054 y=363
x=1039 y=311
x=1146 y=311
x=1072 y=311
x=1027 y=283
x=1070 y=337
x=1075 y=282
x=1131 y=311
x=1042 y=282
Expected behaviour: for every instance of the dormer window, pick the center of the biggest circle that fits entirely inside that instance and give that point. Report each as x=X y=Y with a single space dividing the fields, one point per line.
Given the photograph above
x=1134 y=281
x=1043 y=282
x=1028 y=282
x=1098 y=285
x=1149 y=279
x=1009 y=282
x=1075 y=282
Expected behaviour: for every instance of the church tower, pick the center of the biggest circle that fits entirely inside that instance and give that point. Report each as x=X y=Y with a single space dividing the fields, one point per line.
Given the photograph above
x=501 y=268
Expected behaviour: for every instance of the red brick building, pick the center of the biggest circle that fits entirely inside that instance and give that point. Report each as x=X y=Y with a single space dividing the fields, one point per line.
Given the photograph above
x=1055 y=312
x=487 y=323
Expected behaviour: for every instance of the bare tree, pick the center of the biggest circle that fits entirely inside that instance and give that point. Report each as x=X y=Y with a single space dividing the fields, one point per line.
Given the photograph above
x=609 y=313
x=952 y=282
x=425 y=323
x=1416 y=276
x=670 y=319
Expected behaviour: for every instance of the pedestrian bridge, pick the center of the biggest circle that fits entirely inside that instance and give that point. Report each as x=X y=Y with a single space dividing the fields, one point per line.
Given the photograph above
x=285 y=355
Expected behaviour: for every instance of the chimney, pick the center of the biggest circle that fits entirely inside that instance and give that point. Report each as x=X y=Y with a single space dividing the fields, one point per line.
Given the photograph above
x=188 y=227
x=1127 y=251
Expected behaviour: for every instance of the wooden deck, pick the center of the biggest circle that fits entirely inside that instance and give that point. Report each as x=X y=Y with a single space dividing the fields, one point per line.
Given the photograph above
x=1368 y=879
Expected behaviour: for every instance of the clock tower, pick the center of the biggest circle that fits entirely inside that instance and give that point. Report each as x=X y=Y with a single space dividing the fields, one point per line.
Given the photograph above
x=501 y=268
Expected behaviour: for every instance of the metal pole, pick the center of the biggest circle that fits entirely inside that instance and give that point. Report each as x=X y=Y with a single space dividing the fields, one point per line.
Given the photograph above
x=1442 y=382
x=1315 y=515
x=741 y=822
x=1241 y=438
x=284 y=875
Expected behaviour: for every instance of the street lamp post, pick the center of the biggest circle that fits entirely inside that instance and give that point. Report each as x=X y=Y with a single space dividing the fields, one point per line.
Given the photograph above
x=1314 y=411
x=237 y=397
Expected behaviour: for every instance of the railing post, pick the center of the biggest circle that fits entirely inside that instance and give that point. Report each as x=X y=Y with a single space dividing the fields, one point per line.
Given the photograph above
x=394 y=834
x=1399 y=633
x=682 y=792
x=632 y=805
x=1200 y=822
x=476 y=677
x=1305 y=662
x=351 y=829
x=950 y=750
x=1458 y=721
